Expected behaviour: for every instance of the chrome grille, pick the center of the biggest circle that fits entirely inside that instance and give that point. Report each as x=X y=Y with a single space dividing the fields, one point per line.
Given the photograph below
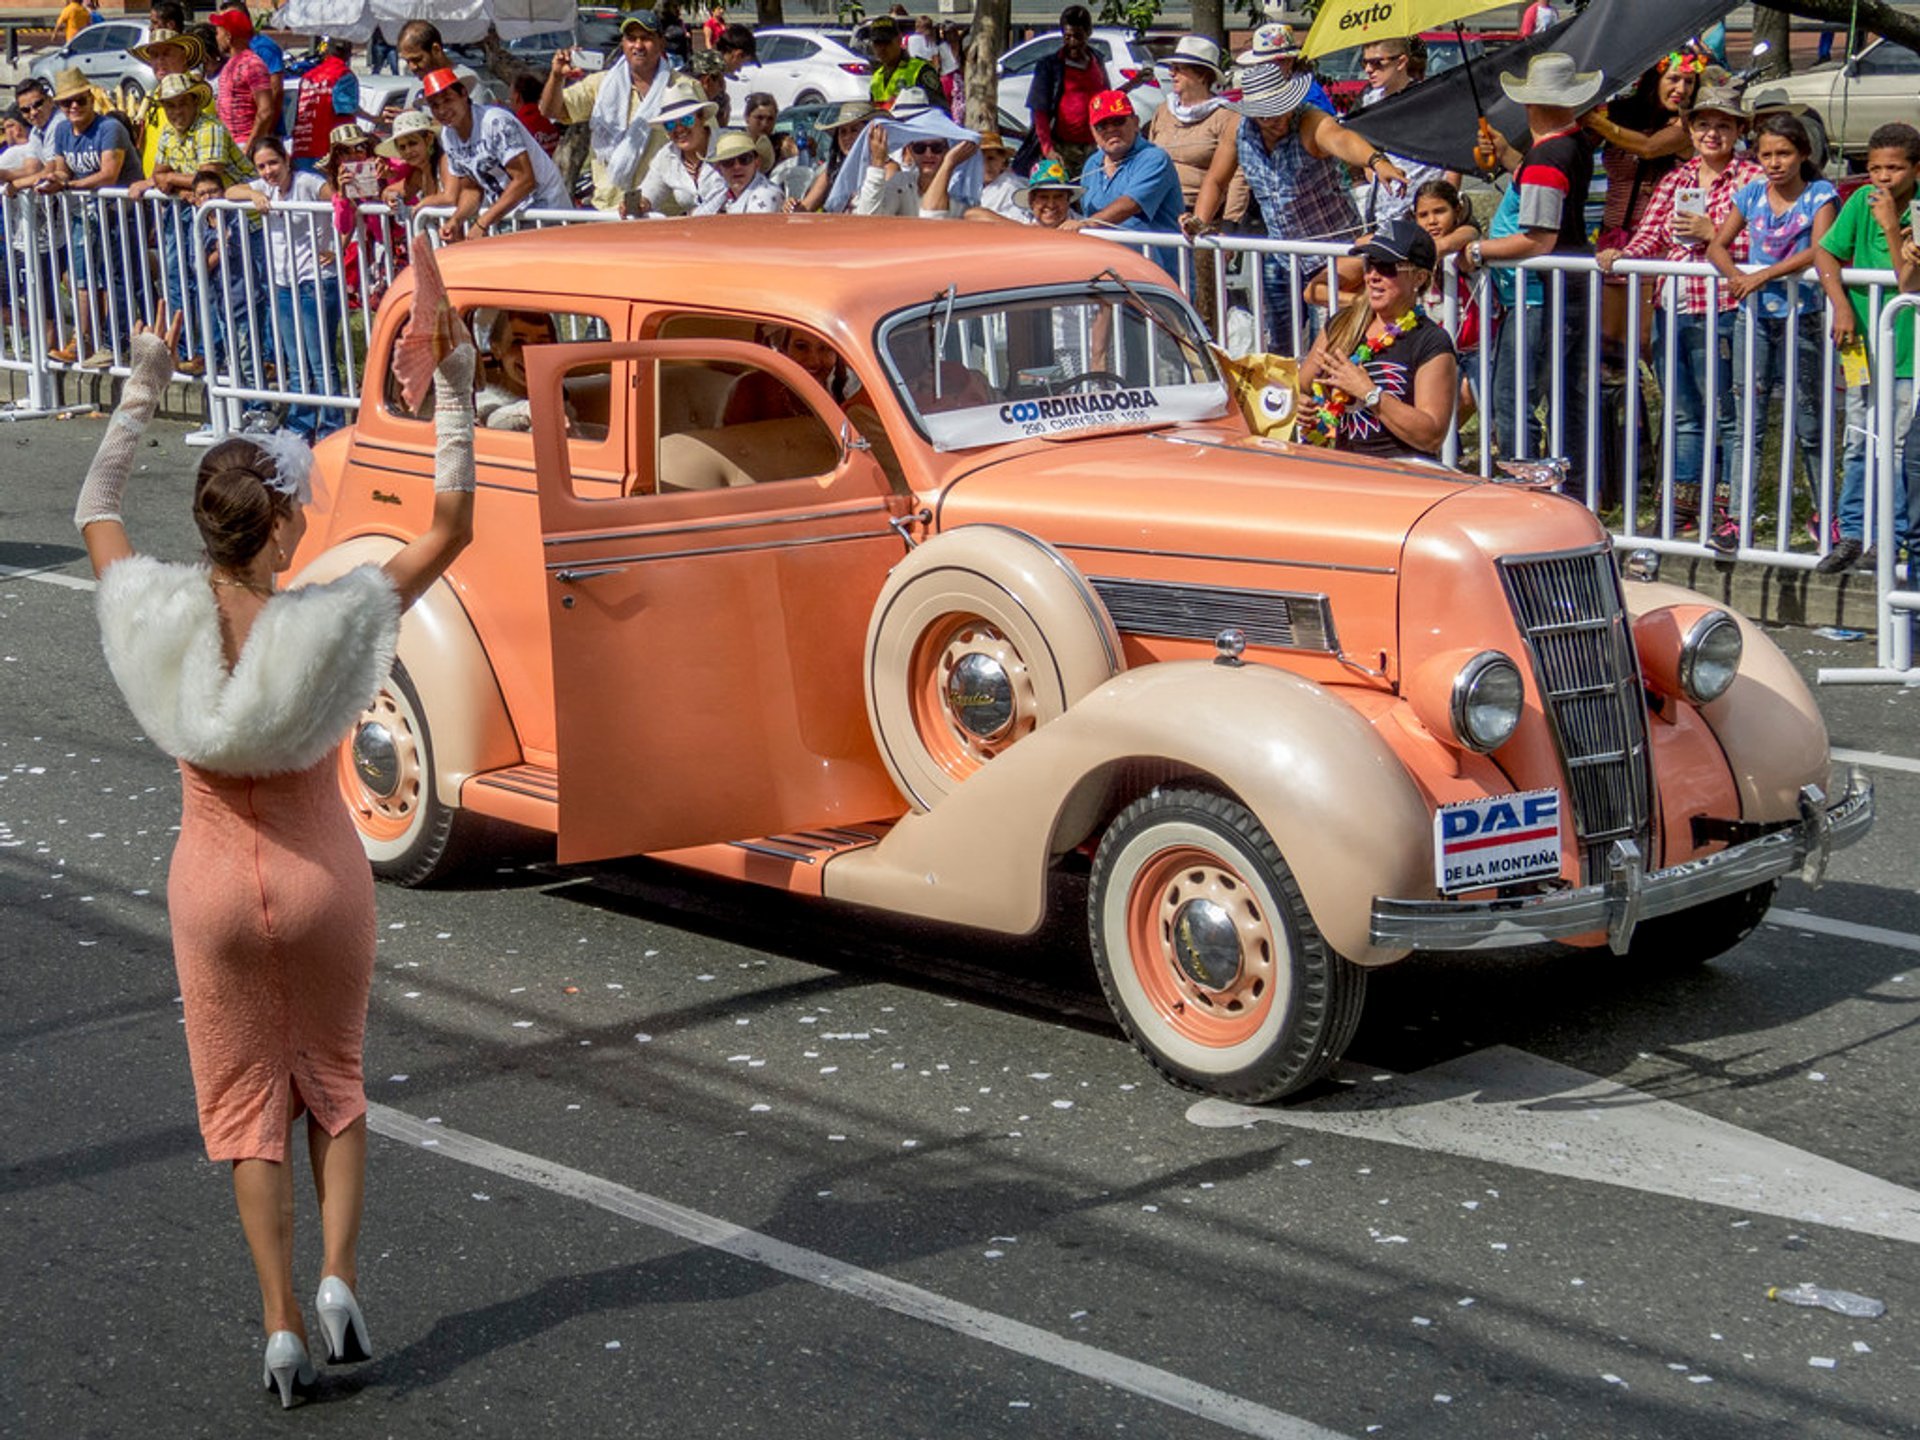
x=1575 y=621
x=1282 y=619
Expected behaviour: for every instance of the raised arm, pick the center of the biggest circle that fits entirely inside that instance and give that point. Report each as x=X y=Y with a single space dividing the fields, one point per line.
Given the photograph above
x=425 y=558
x=97 y=515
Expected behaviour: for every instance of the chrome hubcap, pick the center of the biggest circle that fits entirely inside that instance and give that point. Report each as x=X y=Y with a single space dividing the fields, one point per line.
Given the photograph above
x=376 y=759
x=1206 y=944
x=980 y=696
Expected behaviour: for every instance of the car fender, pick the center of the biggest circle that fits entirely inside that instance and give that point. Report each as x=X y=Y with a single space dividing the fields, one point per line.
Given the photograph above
x=466 y=714
x=1338 y=803
x=1767 y=723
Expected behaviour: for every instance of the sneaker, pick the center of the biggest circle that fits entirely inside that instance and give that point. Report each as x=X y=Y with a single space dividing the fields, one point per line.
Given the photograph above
x=98 y=360
x=195 y=366
x=1869 y=560
x=1725 y=535
x=64 y=354
x=1841 y=557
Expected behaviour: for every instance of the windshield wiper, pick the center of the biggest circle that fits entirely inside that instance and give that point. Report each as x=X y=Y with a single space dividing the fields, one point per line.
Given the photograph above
x=1152 y=316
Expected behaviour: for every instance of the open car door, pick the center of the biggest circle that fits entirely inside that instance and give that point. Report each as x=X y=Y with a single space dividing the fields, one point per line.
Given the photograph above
x=708 y=625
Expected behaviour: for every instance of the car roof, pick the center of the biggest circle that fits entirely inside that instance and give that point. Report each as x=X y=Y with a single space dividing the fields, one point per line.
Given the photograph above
x=817 y=268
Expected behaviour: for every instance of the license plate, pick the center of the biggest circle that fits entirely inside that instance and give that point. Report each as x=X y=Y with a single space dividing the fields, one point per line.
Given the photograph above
x=1496 y=841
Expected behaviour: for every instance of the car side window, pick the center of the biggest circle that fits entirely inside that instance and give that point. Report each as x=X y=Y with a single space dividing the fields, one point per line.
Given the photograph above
x=1890 y=59
x=1023 y=63
x=501 y=337
x=720 y=423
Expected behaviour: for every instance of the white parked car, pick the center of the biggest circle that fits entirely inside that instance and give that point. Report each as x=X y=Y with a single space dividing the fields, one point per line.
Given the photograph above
x=100 y=51
x=1125 y=55
x=801 y=67
x=1846 y=100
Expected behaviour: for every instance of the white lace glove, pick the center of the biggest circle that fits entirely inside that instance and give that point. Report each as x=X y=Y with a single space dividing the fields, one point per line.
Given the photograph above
x=453 y=420
x=152 y=363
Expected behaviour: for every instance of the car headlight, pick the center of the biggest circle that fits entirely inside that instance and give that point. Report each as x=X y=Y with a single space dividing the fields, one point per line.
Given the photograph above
x=1710 y=657
x=1487 y=699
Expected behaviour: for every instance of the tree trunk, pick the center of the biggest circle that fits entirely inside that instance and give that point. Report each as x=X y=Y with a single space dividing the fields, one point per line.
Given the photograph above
x=992 y=22
x=1902 y=26
x=1774 y=26
x=1210 y=19
x=769 y=13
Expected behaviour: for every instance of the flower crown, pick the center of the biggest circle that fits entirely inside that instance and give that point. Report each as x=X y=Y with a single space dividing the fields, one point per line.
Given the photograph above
x=1683 y=62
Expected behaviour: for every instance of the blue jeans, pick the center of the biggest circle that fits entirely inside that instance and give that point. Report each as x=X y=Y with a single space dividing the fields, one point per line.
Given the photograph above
x=306 y=360
x=1853 y=468
x=1773 y=337
x=1534 y=317
x=1277 y=292
x=1686 y=392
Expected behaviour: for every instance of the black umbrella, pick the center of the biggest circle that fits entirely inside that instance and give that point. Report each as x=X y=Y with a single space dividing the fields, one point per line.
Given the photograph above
x=1437 y=120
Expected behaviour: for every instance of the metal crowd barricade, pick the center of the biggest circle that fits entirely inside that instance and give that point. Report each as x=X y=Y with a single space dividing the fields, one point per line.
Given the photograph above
x=1897 y=606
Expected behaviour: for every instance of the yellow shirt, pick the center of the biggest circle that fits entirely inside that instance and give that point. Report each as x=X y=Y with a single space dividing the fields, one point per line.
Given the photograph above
x=75 y=18
x=578 y=100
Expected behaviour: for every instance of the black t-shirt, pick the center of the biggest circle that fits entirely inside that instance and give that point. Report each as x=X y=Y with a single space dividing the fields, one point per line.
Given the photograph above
x=1553 y=179
x=1361 y=431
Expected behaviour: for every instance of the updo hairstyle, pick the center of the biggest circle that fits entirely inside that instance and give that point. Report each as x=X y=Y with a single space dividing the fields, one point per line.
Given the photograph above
x=234 y=502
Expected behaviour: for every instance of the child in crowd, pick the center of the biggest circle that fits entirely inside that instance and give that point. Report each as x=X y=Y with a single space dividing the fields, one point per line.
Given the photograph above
x=1867 y=236
x=235 y=270
x=1439 y=210
x=1783 y=216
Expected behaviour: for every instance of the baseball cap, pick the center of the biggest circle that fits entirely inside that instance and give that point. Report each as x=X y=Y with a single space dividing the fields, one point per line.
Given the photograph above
x=236 y=21
x=1400 y=241
x=645 y=19
x=438 y=81
x=1109 y=105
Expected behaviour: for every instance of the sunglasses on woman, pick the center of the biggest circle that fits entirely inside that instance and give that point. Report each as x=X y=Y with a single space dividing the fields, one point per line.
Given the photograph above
x=928 y=147
x=1385 y=269
x=684 y=122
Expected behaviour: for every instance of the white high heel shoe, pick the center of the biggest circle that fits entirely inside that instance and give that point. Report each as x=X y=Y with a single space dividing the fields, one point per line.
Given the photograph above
x=341 y=1321
x=288 y=1369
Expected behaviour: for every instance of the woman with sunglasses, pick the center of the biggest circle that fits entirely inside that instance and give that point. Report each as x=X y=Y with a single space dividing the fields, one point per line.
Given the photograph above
x=917 y=187
x=678 y=178
x=1381 y=379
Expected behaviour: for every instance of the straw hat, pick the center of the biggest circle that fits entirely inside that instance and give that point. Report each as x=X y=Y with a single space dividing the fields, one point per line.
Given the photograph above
x=1265 y=92
x=1270 y=43
x=347 y=135
x=991 y=142
x=183 y=87
x=732 y=143
x=684 y=102
x=71 y=82
x=1197 y=51
x=407 y=122
x=853 y=112
x=1721 y=99
x=1553 y=79
x=196 y=53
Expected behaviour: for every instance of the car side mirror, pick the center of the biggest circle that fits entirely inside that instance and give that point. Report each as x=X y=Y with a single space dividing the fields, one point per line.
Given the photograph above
x=1851 y=68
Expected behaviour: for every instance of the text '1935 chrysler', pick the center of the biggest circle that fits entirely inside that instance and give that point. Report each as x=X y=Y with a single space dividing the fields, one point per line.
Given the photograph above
x=901 y=563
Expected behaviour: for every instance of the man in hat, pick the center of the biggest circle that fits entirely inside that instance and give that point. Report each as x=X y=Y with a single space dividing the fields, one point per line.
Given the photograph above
x=1275 y=44
x=90 y=152
x=999 y=188
x=246 y=95
x=747 y=191
x=1064 y=84
x=236 y=23
x=1045 y=200
x=618 y=104
x=1544 y=213
x=894 y=69
x=167 y=52
x=498 y=168
x=1286 y=149
x=1131 y=183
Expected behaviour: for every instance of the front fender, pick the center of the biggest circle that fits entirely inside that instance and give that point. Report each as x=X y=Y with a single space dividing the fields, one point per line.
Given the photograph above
x=1336 y=801
x=1767 y=723
x=466 y=714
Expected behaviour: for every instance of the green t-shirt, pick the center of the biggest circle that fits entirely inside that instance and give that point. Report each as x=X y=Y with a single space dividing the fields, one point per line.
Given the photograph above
x=1857 y=241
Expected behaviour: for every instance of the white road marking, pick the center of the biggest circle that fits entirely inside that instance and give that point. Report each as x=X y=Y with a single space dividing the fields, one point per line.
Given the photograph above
x=1513 y=1108
x=45 y=577
x=1231 y=1412
x=1876 y=760
x=1843 y=929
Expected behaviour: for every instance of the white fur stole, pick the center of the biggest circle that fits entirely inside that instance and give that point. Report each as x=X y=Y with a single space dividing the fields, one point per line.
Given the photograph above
x=311 y=663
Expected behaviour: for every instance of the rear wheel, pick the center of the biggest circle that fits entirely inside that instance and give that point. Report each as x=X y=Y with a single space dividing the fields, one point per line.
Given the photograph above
x=1696 y=936
x=387 y=778
x=810 y=97
x=1208 y=954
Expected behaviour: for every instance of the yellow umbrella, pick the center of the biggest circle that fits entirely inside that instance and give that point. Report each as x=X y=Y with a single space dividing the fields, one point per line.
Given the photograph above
x=1344 y=23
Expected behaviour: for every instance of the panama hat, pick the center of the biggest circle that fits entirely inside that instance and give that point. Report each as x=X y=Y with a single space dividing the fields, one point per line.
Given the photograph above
x=911 y=101
x=183 y=87
x=1197 y=51
x=1265 y=92
x=1553 y=79
x=733 y=143
x=1270 y=43
x=853 y=112
x=196 y=53
x=684 y=102
x=71 y=82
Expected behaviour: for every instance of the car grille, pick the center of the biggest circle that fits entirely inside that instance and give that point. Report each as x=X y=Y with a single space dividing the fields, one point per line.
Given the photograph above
x=1574 y=618
x=1282 y=619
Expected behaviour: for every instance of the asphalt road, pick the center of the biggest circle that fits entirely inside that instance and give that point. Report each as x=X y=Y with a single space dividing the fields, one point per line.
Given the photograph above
x=656 y=1156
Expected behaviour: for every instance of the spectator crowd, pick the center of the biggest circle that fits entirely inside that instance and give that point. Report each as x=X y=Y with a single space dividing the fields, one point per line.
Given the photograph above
x=1246 y=142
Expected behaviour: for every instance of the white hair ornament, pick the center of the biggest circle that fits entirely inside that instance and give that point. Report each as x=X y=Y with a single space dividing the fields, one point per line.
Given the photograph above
x=292 y=464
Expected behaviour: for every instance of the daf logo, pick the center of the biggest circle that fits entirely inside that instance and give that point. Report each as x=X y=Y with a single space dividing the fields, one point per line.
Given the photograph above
x=1533 y=811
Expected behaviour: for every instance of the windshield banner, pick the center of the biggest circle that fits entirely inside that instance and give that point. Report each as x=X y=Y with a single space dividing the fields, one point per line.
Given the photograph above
x=1041 y=416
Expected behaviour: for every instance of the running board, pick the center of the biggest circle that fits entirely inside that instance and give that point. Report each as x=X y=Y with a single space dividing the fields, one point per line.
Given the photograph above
x=526 y=795
x=795 y=861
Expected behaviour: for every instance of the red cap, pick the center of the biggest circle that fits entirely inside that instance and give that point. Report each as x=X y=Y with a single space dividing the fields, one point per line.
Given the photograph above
x=1107 y=105
x=436 y=81
x=235 y=20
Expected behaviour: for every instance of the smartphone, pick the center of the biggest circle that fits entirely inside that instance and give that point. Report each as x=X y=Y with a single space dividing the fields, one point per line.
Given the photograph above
x=360 y=179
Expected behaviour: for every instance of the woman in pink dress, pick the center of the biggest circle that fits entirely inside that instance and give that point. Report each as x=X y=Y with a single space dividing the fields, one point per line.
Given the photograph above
x=269 y=896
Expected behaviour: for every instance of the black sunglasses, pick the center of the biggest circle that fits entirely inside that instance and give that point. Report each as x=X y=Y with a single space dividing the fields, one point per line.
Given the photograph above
x=928 y=147
x=1385 y=269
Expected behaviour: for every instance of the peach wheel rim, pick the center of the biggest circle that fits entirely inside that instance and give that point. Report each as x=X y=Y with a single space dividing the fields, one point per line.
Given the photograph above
x=961 y=645
x=1202 y=946
x=379 y=769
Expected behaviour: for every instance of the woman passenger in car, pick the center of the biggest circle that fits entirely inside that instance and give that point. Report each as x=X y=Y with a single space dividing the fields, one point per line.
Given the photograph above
x=762 y=395
x=501 y=402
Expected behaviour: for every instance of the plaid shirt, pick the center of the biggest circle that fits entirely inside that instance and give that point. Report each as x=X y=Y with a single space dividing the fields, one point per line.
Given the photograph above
x=206 y=146
x=1653 y=238
x=1302 y=197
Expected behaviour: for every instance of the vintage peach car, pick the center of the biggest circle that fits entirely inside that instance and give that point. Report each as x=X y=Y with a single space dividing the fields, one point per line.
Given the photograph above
x=998 y=582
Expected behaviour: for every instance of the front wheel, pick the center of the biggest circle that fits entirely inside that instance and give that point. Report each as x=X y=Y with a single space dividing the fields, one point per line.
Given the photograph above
x=387 y=777
x=810 y=97
x=1208 y=954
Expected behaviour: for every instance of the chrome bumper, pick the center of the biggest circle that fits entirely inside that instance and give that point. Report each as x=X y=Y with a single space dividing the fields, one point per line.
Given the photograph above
x=1630 y=894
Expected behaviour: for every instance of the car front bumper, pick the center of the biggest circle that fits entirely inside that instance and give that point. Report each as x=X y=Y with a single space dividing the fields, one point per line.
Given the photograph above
x=1630 y=893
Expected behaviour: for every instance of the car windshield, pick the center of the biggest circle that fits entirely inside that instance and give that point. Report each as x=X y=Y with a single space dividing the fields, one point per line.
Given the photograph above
x=1019 y=365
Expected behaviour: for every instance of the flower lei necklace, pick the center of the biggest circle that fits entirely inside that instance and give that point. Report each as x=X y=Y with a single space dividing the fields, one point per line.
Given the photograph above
x=1320 y=417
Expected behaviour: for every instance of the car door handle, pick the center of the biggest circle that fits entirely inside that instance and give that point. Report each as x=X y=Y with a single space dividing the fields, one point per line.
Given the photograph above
x=569 y=577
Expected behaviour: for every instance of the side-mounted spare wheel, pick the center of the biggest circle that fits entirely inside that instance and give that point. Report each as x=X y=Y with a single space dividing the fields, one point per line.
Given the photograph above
x=1208 y=954
x=980 y=636
x=386 y=775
